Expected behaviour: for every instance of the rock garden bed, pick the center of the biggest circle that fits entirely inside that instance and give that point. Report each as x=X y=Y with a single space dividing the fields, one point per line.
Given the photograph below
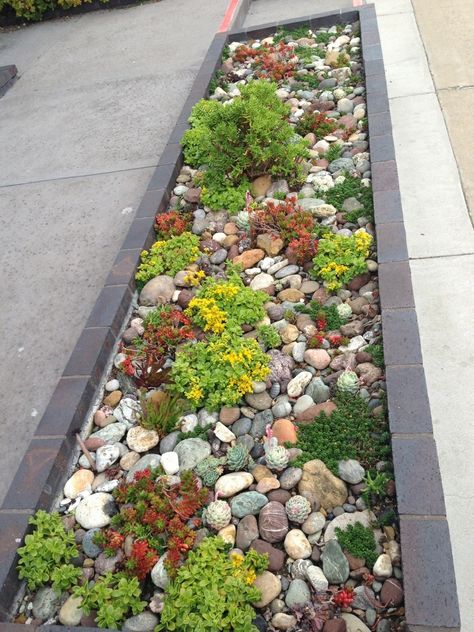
x=238 y=474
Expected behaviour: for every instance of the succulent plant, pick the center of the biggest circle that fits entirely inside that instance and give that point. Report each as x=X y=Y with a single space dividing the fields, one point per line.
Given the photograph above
x=209 y=470
x=217 y=514
x=344 y=310
x=298 y=509
x=277 y=457
x=238 y=458
x=348 y=382
x=243 y=220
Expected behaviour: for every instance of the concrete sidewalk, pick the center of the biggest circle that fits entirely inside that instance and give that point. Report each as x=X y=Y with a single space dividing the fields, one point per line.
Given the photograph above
x=81 y=131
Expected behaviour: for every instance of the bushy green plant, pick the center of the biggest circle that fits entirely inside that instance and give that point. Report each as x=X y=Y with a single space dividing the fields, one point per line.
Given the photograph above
x=350 y=432
x=359 y=541
x=65 y=577
x=200 y=432
x=340 y=259
x=34 y=10
x=168 y=257
x=351 y=187
x=213 y=591
x=291 y=34
x=224 y=305
x=269 y=336
x=114 y=596
x=219 y=371
x=48 y=547
x=334 y=152
x=239 y=141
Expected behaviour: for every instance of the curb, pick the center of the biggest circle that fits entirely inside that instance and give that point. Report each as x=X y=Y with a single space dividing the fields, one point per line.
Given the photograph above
x=7 y=78
x=429 y=582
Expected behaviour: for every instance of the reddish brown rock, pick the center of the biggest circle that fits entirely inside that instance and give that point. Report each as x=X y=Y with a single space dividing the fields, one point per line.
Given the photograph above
x=270 y=243
x=335 y=625
x=391 y=594
x=354 y=562
x=273 y=522
x=279 y=496
x=231 y=229
x=369 y=373
x=184 y=298
x=249 y=258
x=359 y=281
x=284 y=430
x=113 y=399
x=363 y=356
x=192 y=196
x=312 y=412
x=227 y=416
x=349 y=122
x=93 y=443
x=321 y=295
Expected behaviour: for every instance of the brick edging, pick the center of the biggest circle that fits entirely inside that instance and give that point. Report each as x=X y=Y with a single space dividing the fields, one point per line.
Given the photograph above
x=430 y=587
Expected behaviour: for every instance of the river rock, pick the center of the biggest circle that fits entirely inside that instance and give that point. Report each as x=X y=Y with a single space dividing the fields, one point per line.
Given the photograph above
x=313 y=523
x=276 y=558
x=170 y=463
x=351 y=471
x=71 y=613
x=249 y=258
x=141 y=440
x=143 y=622
x=297 y=385
x=284 y=430
x=283 y=621
x=273 y=522
x=223 y=433
x=344 y=520
x=106 y=456
x=157 y=291
x=317 y=578
x=77 y=483
x=45 y=603
x=296 y=545
x=290 y=477
x=318 y=479
x=298 y=593
x=247 y=531
x=353 y=623
x=269 y=586
x=260 y=401
x=191 y=452
x=231 y=484
x=391 y=594
x=247 y=503
x=383 y=566
x=317 y=358
x=159 y=575
x=318 y=391
x=95 y=510
x=335 y=564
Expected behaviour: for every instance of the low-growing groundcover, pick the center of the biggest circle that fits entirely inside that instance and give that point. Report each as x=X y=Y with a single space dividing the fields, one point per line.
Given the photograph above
x=35 y=10
x=237 y=476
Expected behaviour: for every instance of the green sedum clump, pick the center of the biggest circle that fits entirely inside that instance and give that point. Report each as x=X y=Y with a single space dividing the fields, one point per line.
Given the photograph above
x=114 y=596
x=239 y=141
x=359 y=541
x=213 y=591
x=350 y=432
x=168 y=257
x=268 y=336
x=46 y=552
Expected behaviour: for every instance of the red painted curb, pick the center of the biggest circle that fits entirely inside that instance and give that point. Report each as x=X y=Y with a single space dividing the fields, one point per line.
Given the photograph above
x=229 y=14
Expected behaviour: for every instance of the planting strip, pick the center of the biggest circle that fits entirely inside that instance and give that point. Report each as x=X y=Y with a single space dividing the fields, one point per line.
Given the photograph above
x=429 y=581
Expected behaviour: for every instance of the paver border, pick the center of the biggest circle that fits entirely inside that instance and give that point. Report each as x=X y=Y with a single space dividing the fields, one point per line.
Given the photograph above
x=431 y=603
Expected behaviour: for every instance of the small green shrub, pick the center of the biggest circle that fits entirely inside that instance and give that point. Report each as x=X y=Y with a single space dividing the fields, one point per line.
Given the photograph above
x=340 y=259
x=168 y=257
x=375 y=487
x=269 y=336
x=200 y=432
x=65 y=577
x=48 y=547
x=293 y=34
x=240 y=141
x=219 y=371
x=213 y=591
x=350 y=432
x=351 y=187
x=34 y=10
x=114 y=596
x=359 y=541
x=334 y=152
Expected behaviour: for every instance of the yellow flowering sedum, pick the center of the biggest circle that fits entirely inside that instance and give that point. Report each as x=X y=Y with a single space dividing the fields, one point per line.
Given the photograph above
x=168 y=257
x=207 y=314
x=219 y=371
x=341 y=258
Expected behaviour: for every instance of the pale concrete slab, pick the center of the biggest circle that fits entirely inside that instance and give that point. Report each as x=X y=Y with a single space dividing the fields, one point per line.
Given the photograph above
x=434 y=208
x=443 y=295
x=388 y=7
x=405 y=62
x=446 y=28
x=58 y=240
x=263 y=11
x=458 y=106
